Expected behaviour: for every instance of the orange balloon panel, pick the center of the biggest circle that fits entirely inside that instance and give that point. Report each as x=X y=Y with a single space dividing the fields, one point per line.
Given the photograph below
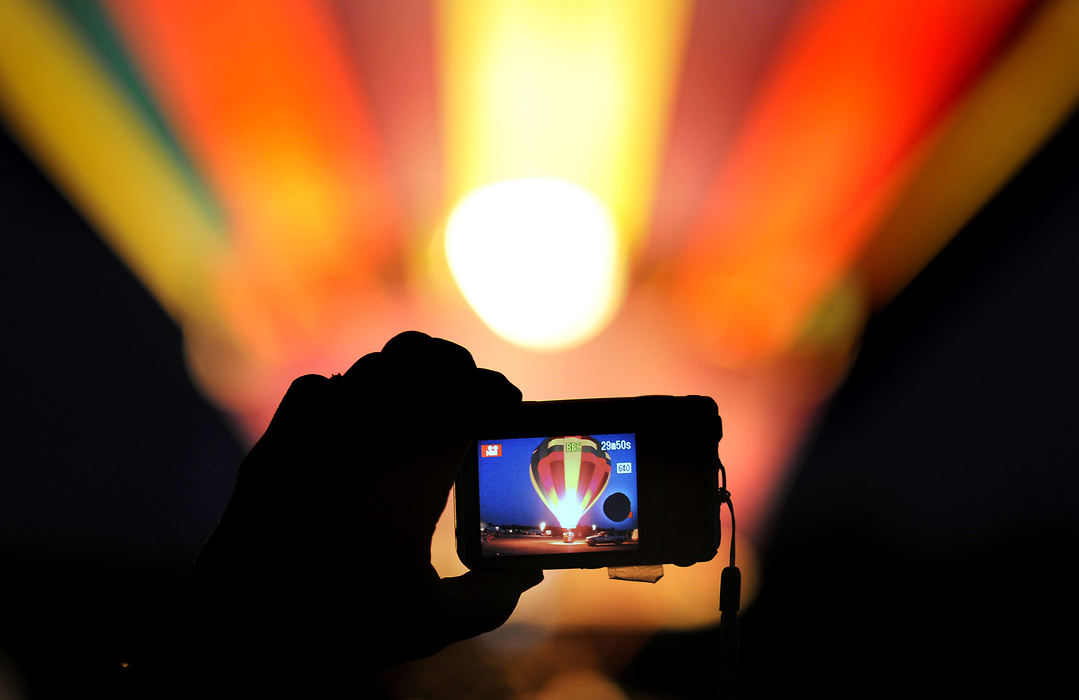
x=266 y=98
x=855 y=87
x=1016 y=106
x=393 y=46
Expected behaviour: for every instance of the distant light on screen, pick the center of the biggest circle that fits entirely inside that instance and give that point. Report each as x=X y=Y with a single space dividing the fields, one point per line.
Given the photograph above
x=538 y=260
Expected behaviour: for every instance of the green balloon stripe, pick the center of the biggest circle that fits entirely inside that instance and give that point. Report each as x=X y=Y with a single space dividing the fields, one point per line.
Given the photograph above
x=94 y=24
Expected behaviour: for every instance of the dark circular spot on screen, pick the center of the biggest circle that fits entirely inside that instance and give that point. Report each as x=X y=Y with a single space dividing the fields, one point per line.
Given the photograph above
x=616 y=507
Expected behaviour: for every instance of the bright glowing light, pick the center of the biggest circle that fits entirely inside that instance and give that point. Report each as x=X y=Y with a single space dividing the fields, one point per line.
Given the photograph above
x=560 y=88
x=568 y=512
x=538 y=259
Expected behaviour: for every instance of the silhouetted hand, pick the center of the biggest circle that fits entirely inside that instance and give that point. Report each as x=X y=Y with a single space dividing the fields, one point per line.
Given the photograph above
x=320 y=568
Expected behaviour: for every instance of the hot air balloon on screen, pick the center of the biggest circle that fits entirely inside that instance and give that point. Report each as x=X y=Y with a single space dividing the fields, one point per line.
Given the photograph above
x=570 y=473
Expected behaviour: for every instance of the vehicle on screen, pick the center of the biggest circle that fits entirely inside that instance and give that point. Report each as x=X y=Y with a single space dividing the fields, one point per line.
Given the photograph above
x=604 y=538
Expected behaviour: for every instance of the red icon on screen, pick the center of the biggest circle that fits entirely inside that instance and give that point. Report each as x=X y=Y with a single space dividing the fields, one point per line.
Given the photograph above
x=491 y=450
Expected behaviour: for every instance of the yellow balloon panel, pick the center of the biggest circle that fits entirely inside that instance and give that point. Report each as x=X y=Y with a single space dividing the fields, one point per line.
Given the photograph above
x=87 y=133
x=569 y=90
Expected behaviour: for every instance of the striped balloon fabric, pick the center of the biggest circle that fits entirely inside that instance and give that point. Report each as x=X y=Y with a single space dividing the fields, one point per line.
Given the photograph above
x=569 y=474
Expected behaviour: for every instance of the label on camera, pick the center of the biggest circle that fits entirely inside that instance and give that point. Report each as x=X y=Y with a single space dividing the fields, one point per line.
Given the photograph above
x=624 y=468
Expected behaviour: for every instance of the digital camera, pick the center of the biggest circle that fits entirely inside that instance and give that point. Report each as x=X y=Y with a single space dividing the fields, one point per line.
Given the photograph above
x=592 y=483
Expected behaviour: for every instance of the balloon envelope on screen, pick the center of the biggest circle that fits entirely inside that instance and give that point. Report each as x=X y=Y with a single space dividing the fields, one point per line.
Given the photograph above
x=569 y=474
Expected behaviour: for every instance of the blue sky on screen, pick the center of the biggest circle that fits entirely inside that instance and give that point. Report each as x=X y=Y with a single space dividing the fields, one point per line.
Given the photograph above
x=508 y=497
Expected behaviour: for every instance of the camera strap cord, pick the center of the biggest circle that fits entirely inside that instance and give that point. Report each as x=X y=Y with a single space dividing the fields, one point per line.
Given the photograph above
x=730 y=594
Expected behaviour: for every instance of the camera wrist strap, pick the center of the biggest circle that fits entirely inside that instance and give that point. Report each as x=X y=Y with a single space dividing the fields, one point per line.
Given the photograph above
x=730 y=594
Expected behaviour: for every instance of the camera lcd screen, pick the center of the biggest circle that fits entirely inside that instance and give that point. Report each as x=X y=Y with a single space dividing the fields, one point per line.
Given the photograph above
x=557 y=494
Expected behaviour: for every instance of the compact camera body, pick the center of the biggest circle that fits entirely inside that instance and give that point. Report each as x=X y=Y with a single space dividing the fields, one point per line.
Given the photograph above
x=592 y=483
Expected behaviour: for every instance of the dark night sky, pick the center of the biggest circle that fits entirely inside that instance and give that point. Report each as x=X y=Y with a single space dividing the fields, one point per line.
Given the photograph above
x=114 y=468
x=925 y=543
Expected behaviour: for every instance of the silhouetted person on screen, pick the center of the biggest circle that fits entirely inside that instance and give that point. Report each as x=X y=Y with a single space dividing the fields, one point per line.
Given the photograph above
x=320 y=569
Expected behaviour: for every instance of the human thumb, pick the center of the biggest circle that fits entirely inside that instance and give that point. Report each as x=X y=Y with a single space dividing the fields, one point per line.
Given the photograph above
x=480 y=601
